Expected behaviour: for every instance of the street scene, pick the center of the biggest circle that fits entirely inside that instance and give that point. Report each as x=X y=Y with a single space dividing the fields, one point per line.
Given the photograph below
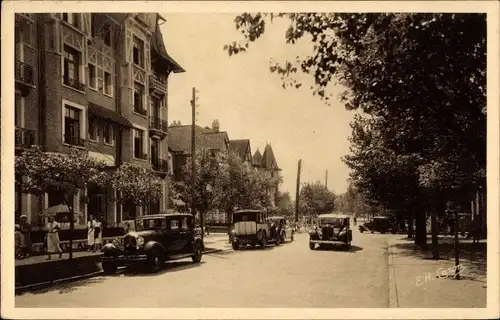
x=251 y=160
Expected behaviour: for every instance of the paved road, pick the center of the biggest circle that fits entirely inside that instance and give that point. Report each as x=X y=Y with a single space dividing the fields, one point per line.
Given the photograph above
x=290 y=275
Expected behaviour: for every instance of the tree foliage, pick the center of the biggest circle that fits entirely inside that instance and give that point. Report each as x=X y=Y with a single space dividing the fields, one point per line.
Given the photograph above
x=419 y=78
x=315 y=198
x=137 y=184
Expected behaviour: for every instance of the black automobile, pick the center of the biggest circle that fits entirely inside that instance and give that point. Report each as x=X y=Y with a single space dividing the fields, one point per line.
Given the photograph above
x=331 y=229
x=380 y=224
x=157 y=239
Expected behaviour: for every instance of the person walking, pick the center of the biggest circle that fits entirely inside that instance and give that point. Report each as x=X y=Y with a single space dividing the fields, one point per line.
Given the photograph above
x=97 y=234
x=18 y=243
x=25 y=229
x=91 y=233
x=53 y=242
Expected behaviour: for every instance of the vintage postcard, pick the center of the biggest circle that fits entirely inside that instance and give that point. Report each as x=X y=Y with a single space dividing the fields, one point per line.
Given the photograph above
x=274 y=160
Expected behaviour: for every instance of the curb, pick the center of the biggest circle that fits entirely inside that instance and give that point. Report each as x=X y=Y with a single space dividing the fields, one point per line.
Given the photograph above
x=43 y=285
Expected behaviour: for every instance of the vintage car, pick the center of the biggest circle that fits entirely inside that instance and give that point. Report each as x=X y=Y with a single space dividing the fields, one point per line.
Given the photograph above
x=252 y=227
x=157 y=238
x=330 y=229
x=380 y=224
x=280 y=225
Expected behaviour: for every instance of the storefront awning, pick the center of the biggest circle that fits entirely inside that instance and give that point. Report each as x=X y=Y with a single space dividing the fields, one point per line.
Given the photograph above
x=108 y=160
x=108 y=114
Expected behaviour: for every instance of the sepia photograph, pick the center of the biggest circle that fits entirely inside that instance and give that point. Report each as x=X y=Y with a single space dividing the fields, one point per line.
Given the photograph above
x=250 y=158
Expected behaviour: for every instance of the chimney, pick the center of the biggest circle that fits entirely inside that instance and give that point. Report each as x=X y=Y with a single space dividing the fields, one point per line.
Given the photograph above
x=215 y=125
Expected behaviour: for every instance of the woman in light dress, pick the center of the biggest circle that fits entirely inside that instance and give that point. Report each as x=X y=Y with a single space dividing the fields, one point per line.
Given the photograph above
x=53 y=242
x=91 y=233
x=97 y=234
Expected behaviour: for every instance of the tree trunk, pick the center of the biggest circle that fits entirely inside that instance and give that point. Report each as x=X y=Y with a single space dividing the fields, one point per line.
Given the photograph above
x=420 y=227
x=410 y=223
x=71 y=226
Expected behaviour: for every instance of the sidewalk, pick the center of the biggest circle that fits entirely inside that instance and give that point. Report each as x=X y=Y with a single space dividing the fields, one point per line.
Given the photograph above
x=417 y=281
x=216 y=242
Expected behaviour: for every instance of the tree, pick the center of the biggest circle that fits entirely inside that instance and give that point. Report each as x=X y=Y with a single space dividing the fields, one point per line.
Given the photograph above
x=65 y=174
x=422 y=76
x=316 y=198
x=285 y=204
x=137 y=184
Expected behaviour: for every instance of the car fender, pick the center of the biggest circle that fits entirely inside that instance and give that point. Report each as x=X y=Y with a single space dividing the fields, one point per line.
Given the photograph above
x=150 y=245
x=110 y=249
x=198 y=241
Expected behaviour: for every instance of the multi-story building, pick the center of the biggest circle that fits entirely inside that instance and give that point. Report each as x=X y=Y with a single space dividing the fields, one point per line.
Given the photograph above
x=266 y=162
x=97 y=81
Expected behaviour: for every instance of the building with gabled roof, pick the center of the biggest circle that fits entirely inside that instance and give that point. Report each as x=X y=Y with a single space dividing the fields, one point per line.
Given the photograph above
x=242 y=148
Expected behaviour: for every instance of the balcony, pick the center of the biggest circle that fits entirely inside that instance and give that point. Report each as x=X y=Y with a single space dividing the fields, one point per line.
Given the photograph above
x=74 y=83
x=157 y=85
x=159 y=165
x=140 y=110
x=140 y=155
x=74 y=140
x=24 y=138
x=158 y=128
x=25 y=76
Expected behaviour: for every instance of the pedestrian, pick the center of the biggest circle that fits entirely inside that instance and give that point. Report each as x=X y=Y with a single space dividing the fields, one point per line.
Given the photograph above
x=97 y=234
x=91 y=233
x=355 y=220
x=18 y=242
x=476 y=229
x=53 y=242
x=25 y=229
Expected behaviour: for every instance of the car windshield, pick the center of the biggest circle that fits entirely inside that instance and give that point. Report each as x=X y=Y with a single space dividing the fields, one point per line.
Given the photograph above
x=245 y=216
x=337 y=222
x=149 y=224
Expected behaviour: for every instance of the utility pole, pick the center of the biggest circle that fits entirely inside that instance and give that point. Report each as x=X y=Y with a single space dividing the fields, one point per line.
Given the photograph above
x=326 y=179
x=193 y=161
x=297 y=193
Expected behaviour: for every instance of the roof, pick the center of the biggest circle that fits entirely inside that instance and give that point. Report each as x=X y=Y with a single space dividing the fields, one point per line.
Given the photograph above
x=333 y=215
x=257 y=158
x=268 y=160
x=180 y=138
x=248 y=211
x=108 y=114
x=164 y=215
x=240 y=147
x=158 y=45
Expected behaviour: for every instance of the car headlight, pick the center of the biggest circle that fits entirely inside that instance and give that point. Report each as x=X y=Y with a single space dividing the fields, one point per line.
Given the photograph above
x=140 y=241
x=233 y=231
x=116 y=242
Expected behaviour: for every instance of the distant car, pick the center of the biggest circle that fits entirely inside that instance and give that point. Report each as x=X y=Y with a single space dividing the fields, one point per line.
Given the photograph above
x=282 y=227
x=380 y=224
x=252 y=227
x=331 y=229
x=157 y=239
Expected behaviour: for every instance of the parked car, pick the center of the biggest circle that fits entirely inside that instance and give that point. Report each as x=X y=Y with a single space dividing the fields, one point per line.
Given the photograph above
x=280 y=225
x=252 y=227
x=331 y=229
x=158 y=238
x=380 y=224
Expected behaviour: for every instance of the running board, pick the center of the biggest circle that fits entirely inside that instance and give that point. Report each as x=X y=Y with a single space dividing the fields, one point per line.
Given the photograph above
x=180 y=256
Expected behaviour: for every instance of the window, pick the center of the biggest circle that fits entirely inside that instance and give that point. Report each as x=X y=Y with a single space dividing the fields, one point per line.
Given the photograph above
x=93 y=133
x=138 y=99
x=108 y=84
x=18 y=110
x=174 y=224
x=72 y=126
x=138 y=52
x=109 y=137
x=138 y=144
x=71 y=18
x=71 y=74
x=106 y=34
x=92 y=77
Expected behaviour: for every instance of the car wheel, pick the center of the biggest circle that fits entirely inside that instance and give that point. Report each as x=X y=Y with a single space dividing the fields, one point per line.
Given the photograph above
x=155 y=261
x=235 y=245
x=198 y=253
x=372 y=232
x=263 y=242
x=278 y=240
x=253 y=245
x=109 y=267
x=361 y=230
x=311 y=245
x=382 y=232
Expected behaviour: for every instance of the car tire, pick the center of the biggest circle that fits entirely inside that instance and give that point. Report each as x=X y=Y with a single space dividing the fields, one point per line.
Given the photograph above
x=382 y=232
x=263 y=242
x=278 y=241
x=109 y=267
x=372 y=232
x=235 y=245
x=253 y=245
x=198 y=253
x=361 y=230
x=155 y=261
x=312 y=245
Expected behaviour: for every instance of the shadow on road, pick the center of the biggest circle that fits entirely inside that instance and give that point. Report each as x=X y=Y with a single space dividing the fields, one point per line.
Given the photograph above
x=340 y=248
x=173 y=266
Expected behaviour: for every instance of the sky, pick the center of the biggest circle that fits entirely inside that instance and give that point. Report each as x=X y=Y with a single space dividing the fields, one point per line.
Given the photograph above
x=249 y=101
